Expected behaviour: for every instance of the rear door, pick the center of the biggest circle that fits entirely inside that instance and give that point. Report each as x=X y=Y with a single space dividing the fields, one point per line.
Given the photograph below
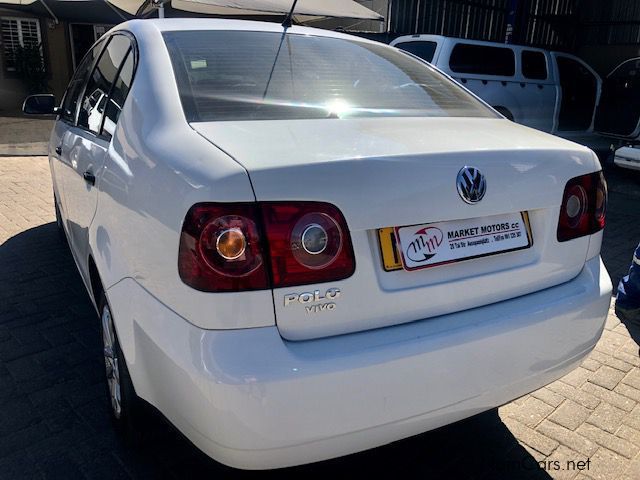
x=60 y=162
x=579 y=93
x=618 y=112
x=537 y=92
x=87 y=142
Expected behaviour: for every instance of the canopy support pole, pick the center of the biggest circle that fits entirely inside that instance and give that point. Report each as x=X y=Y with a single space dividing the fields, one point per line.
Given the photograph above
x=124 y=19
x=55 y=19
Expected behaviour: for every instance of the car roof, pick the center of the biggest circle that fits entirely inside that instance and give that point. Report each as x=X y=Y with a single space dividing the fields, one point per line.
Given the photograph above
x=198 y=24
x=435 y=38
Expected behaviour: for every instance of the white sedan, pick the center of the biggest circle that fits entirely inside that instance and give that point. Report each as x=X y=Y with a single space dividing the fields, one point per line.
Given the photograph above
x=303 y=244
x=627 y=157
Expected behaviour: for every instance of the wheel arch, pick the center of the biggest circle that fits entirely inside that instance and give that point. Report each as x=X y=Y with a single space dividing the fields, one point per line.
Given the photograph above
x=504 y=111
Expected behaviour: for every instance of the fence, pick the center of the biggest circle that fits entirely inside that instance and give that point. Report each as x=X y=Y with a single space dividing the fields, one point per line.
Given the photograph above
x=553 y=24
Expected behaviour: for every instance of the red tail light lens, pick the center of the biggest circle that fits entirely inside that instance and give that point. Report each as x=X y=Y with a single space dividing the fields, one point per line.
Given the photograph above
x=583 y=208
x=228 y=247
x=309 y=242
x=220 y=249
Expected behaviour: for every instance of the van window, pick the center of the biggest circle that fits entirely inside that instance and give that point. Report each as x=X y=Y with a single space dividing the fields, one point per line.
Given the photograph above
x=482 y=60
x=424 y=50
x=534 y=65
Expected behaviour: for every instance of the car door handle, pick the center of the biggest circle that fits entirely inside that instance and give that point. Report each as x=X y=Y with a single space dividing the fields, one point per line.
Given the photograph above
x=89 y=177
x=59 y=149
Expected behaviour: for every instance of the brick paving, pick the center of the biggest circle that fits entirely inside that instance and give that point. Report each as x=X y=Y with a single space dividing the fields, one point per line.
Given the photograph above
x=54 y=419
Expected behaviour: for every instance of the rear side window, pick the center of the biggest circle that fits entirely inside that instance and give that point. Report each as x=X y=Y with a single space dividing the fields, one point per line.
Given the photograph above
x=74 y=90
x=482 y=60
x=424 y=50
x=99 y=85
x=534 y=65
x=243 y=75
x=118 y=95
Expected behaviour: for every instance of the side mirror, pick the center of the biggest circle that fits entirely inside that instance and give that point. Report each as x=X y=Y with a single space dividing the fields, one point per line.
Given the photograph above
x=43 y=104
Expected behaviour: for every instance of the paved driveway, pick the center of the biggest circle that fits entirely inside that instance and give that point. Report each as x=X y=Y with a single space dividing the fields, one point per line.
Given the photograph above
x=54 y=420
x=21 y=135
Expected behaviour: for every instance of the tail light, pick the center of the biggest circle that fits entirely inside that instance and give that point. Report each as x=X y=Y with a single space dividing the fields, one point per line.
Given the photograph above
x=254 y=246
x=220 y=248
x=308 y=243
x=584 y=207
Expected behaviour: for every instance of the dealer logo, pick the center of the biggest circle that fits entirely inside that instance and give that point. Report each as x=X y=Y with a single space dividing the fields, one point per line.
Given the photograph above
x=425 y=244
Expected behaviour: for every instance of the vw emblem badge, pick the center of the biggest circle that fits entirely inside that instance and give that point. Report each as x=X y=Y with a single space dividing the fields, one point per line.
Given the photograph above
x=471 y=184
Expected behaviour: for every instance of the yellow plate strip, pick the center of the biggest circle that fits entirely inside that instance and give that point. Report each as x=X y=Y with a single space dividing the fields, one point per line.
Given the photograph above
x=389 y=250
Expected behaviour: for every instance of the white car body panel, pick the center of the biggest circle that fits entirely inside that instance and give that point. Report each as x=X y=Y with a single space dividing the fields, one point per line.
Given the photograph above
x=252 y=401
x=293 y=161
x=627 y=157
x=532 y=102
x=217 y=365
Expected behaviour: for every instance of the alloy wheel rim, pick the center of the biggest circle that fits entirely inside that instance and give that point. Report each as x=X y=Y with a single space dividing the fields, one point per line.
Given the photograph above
x=111 y=362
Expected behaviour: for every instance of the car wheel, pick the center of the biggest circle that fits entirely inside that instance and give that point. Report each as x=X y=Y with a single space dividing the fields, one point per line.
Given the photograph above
x=127 y=409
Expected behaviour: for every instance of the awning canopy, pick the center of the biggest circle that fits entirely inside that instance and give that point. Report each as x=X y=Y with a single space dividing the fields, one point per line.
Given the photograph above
x=90 y=10
x=81 y=11
x=311 y=8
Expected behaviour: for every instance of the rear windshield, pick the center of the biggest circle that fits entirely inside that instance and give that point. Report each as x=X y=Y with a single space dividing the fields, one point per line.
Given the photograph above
x=240 y=75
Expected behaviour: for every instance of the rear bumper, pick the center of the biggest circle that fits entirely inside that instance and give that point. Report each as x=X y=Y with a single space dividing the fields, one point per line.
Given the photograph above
x=252 y=400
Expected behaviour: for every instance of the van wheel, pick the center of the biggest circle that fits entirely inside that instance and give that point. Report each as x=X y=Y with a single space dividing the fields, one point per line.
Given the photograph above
x=504 y=112
x=127 y=409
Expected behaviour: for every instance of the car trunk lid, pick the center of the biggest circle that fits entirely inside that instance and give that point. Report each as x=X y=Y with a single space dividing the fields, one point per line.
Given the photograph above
x=395 y=172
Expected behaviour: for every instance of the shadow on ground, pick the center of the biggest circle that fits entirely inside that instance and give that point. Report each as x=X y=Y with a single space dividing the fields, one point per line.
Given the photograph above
x=622 y=233
x=54 y=419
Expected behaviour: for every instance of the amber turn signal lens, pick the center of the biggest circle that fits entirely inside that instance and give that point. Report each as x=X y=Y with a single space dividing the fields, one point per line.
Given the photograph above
x=231 y=244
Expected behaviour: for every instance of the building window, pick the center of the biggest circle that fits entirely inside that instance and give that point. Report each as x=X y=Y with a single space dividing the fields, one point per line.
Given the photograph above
x=18 y=32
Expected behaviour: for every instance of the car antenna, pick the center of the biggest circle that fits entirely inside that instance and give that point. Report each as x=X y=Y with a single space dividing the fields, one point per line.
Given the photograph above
x=288 y=20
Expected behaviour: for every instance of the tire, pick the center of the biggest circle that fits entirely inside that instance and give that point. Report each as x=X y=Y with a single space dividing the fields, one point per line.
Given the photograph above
x=127 y=410
x=504 y=112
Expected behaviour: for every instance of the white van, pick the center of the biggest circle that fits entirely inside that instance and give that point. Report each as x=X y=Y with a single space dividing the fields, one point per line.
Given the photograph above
x=551 y=91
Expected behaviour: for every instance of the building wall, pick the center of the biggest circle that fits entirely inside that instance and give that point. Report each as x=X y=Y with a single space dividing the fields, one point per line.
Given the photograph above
x=11 y=89
x=57 y=61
